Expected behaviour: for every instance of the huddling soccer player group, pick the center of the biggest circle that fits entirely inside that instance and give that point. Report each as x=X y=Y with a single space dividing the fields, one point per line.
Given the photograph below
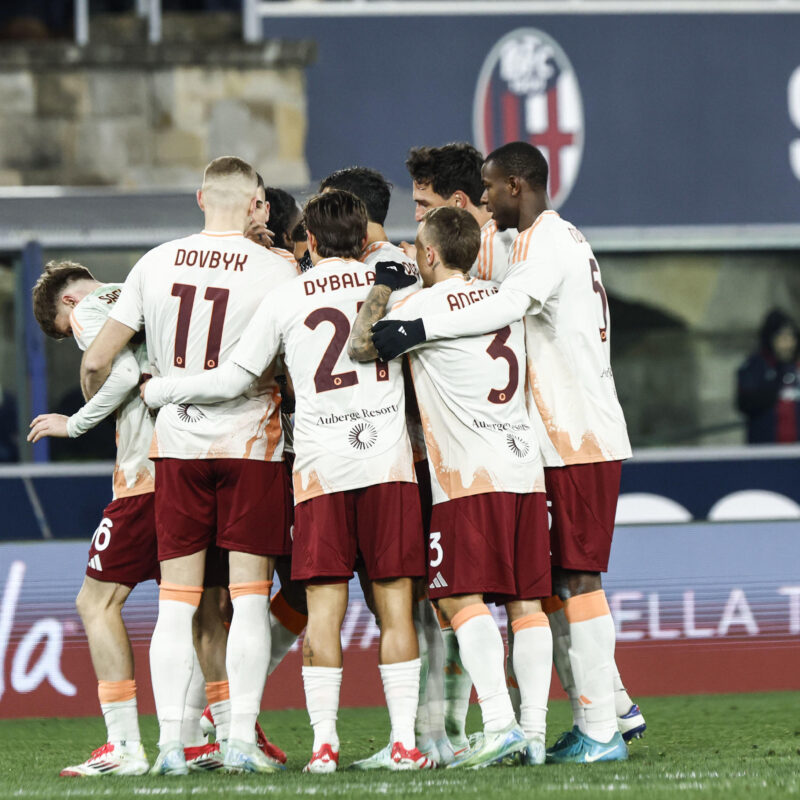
x=267 y=420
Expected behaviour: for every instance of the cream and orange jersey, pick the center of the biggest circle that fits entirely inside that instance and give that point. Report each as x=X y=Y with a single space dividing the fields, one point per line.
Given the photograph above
x=133 y=471
x=349 y=423
x=287 y=256
x=195 y=296
x=571 y=392
x=492 y=261
x=471 y=396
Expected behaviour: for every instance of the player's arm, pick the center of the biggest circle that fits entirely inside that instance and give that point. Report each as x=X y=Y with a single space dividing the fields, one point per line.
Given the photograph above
x=99 y=357
x=389 y=276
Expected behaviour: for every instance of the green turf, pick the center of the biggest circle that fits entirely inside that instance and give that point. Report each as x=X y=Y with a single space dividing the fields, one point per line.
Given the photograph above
x=726 y=746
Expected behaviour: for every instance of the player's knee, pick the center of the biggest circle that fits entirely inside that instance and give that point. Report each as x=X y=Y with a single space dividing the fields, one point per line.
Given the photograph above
x=568 y=583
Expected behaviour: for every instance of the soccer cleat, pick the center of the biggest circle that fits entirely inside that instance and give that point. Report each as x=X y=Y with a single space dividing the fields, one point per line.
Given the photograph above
x=402 y=759
x=245 y=757
x=581 y=749
x=170 y=761
x=379 y=760
x=534 y=754
x=323 y=761
x=429 y=749
x=447 y=753
x=204 y=758
x=207 y=724
x=113 y=758
x=566 y=739
x=493 y=748
x=631 y=724
x=267 y=747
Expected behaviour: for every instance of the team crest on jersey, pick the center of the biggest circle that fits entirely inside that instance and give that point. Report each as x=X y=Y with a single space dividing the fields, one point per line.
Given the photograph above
x=528 y=91
x=362 y=436
x=189 y=413
x=519 y=447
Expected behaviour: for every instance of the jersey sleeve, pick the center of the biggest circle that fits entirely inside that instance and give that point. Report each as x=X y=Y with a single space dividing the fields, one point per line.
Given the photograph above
x=261 y=340
x=129 y=309
x=537 y=274
x=86 y=320
x=225 y=382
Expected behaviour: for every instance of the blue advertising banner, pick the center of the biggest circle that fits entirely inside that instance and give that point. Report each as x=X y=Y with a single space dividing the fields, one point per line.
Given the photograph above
x=646 y=119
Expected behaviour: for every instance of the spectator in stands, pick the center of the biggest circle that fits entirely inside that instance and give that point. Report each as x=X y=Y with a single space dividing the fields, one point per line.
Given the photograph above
x=768 y=383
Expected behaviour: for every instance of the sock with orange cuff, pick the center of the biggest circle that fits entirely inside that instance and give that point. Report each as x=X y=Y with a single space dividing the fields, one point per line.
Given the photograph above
x=191 y=732
x=591 y=656
x=559 y=627
x=248 y=656
x=533 y=658
x=457 y=688
x=483 y=655
x=285 y=625
x=512 y=684
x=218 y=695
x=172 y=656
x=118 y=702
x=434 y=690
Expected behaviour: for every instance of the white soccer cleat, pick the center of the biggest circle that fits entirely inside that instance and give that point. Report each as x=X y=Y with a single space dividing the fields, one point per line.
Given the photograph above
x=379 y=760
x=113 y=758
x=631 y=724
x=323 y=761
x=430 y=749
x=535 y=753
x=493 y=748
x=447 y=754
x=204 y=757
x=246 y=757
x=402 y=759
x=170 y=761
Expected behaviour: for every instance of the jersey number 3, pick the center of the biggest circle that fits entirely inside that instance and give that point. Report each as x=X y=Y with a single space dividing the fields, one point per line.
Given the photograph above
x=219 y=300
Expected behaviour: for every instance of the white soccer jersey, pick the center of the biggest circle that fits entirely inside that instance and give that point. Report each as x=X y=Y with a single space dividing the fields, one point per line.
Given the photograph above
x=492 y=261
x=349 y=428
x=133 y=472
x=196 y=296
x=471 y=395
x=568 y=334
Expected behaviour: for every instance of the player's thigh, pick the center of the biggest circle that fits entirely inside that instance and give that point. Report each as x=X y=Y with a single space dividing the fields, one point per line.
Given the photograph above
x=183 y=570
x=97 y=597
x=248 y=568
x=294 y=592
x=518 y=609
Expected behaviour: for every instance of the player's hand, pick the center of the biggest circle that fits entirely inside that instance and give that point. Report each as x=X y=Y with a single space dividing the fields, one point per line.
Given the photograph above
x=48 y=425
x=409 y=249
x=150 y=394
x=392 y=337
x=394 y=275
x=260 y=234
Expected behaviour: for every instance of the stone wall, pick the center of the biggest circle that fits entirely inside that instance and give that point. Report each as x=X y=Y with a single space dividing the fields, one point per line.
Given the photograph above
x=142 y=116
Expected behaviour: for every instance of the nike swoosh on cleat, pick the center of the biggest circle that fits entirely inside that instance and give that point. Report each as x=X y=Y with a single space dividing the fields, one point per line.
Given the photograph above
x=597 y=756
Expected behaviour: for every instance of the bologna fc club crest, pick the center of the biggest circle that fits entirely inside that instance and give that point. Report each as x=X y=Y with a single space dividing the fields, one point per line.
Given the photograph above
x=527 y=91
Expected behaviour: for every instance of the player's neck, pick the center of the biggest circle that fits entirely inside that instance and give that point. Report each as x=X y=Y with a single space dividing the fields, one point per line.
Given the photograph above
x=530 y=209
x=482 y=216
x=442 y=273
x=375 y=233
x=224 y=221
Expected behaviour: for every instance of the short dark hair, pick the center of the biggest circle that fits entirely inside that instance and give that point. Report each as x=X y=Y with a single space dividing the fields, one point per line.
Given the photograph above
x=455 y=233
x=366 y=184
x=282 y=207
x=48 y=289
x=338 y=220
x=448 y=169
x=522 y=160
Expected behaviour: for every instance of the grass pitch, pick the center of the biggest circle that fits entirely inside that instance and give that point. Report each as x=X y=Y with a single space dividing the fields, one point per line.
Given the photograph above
x=726 y=746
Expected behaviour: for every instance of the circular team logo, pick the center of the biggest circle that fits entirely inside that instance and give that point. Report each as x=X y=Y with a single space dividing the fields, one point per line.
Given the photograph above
x=528 y=91
x=519 y=447
x=362 y=436
x=189 y=413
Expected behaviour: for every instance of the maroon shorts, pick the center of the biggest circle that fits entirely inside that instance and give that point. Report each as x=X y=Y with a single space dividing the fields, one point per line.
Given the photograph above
x=381 y=523
x=123 y=548
x=583 y=505
x=239 y=504
x=493 y=544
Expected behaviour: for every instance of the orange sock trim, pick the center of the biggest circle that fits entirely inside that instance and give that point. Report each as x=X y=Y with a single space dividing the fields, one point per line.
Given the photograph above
x=292 y=620
x=466 y=614
x=552 y=604
x=443 y=623
x=536 y=620
x=116 y=691
x=181 y=594
x=251 y=587
x=217 y=691
x=583 y=607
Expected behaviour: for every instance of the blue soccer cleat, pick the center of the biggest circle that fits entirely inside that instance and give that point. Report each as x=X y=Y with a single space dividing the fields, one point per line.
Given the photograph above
x=631 y=724
x=577 y=748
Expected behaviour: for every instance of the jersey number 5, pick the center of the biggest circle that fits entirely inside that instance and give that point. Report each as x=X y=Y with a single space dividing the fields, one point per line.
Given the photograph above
x=219 y=299
x=599 y=289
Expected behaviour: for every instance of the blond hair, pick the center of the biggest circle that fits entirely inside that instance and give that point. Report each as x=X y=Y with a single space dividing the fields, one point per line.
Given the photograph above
x=229 y=182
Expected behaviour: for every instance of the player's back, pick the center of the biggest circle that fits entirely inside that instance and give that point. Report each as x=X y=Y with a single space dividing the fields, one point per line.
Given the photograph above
x=471 y=395
x=350 y=426
x=568 y=345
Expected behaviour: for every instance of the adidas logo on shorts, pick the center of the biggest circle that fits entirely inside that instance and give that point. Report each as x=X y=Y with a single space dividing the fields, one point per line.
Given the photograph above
x=94 y=563
x=438 y=582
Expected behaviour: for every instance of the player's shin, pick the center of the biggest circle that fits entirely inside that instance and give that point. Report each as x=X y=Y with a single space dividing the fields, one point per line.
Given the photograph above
x=457 y=689
x=401 y=687
x=118 y=702
x=191 y=732
x=248 y=656
x=435 y=683
x=285 y=626
x=218 y=695
x=559 y=627
x=533 y=655
x=422 y=725
x=512 y=684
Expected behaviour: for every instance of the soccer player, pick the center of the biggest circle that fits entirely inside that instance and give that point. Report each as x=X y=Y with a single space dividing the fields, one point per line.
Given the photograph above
x=451 y=176
x=354 y=483
x=488 y=533
x=554 y=281
x=219 y=470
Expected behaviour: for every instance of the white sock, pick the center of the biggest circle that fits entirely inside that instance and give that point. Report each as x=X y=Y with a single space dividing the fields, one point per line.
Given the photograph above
x=191 y=732
x=221 y=712
x=622 y=700
x=483 y=654
x=122 y=721
x=591 y=655
x=561 y=642
x=435 y=683
x=322 y=686
x=171 y=659
x=401 y=687
x=457 y=689
x=281 y=641
x=246 y=662
x=512 y=684
x=533 y=659
x=422 y=725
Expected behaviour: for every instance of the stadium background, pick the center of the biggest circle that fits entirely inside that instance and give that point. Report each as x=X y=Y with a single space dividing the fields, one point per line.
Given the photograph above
x=684 y=160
